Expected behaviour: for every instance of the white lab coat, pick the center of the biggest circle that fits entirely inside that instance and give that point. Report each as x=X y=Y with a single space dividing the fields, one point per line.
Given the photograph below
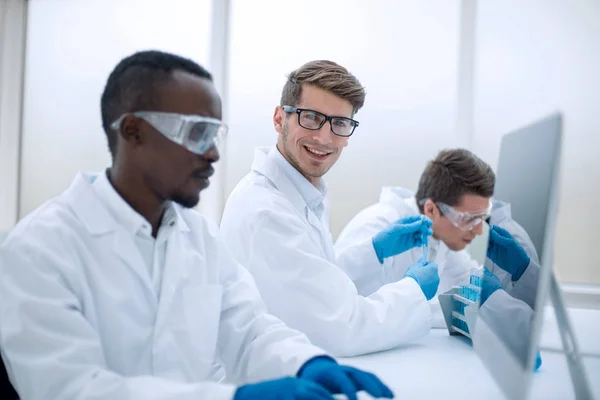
x=525 y=288
x=269 y=227
x=454 y=266
x=394 y=204
x=509 y=313
x=509 y=319
x=79 y=318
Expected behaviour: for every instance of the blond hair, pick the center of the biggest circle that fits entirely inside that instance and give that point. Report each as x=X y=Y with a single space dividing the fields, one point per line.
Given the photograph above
x=325 y=75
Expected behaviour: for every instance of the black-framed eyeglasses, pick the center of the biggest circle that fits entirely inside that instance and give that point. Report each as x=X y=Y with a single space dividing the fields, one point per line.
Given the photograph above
x=314 y=120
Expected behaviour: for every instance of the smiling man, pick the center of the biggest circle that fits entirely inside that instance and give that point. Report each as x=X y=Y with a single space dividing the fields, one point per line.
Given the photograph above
x=116 y=289
x=276 y=223
x=455 y=192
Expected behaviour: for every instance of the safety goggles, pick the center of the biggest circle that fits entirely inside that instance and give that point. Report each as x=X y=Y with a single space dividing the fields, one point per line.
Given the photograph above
x=463 y=220
x=196 y=133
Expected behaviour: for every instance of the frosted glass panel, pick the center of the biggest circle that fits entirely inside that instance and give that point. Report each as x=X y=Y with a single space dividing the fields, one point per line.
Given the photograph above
x=405 y=53
x=533 y=58
x=72 y=45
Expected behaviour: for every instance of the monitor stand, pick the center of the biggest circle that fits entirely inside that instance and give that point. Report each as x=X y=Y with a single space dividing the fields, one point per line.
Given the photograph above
x=570 y=347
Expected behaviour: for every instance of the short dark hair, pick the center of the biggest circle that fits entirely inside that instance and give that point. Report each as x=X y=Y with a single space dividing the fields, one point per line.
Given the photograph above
x=325 y=75
x=132 y=85
x=453 y=173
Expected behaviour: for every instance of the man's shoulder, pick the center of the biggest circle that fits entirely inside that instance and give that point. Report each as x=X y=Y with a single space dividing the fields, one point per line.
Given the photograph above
x=51 y=220
x=48 y=233
x=254 y=196
x=383 y=212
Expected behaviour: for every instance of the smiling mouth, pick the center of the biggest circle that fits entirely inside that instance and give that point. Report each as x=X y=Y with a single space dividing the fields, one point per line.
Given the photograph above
x=317 y=152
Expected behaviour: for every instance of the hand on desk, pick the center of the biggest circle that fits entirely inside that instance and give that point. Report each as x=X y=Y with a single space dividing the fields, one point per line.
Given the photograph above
x=285 y=388
x=340 y=379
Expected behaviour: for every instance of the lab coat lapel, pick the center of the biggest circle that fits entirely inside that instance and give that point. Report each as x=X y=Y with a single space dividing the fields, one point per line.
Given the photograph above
x=95 y=217
x=125 y=249
x=265 y=166
x=175 y=269
x=324 y=233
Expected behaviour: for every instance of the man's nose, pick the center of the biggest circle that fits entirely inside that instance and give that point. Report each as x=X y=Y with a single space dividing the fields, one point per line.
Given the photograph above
x=324 y=135
x=211 y=155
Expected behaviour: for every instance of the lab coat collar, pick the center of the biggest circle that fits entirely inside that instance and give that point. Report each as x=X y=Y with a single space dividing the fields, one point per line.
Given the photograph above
x=119 y=209
x=397 y=197
x=95 y=215
x=500 y=211
x=270 y=163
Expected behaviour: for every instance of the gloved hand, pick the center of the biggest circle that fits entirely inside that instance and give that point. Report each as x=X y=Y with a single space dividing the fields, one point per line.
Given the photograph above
x=401 y=236
x=489 y=284
x=538 y=361
x=340 y=379
x=426 y=275
x=283 y=389
x=506 y=252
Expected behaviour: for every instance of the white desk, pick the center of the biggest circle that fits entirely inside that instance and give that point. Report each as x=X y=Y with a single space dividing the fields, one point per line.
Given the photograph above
x=447 y=367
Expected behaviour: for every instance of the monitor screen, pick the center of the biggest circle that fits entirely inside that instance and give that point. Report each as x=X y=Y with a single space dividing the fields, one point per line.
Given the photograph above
x=521 y=232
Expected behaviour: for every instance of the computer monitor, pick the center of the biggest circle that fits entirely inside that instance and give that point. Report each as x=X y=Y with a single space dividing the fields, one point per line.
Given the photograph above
x=508 y=325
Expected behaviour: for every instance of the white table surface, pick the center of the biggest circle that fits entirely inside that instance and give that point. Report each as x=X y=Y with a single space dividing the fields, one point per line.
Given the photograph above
x=447 y=367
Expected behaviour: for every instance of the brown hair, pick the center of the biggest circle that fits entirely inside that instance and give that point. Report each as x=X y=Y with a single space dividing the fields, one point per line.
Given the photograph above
x=453 y=173
x=325 y=75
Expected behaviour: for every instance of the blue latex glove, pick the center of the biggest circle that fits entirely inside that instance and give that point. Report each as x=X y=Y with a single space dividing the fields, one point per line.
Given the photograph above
x=507 y=253
x=426 y=275
x=283 y=389
x=489 y=284
x=401 y=236
x=340 y=379
x=538 y=361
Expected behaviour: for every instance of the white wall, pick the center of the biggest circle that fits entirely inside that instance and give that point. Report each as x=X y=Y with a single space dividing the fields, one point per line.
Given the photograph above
x=72 y=45
x=405 y=53
x=13 y=17
x=533 y=58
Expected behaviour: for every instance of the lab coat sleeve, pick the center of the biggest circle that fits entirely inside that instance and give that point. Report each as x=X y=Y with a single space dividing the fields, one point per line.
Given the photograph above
x=457 y=270
x=316 y=297
x=50 y=350
x=359 y=261
x=525 y=289
x=355 y=252
x=254 y=344
x=511 y=321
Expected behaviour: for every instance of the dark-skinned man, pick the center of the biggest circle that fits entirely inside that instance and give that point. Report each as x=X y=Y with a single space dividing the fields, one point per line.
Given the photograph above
x=116 y=289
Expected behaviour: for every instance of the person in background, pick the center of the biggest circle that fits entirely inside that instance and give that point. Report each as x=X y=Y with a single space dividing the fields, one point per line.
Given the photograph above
x=511 y=255
x=117 y=289
x=455 y=191
x=276 y=222
x=507 y=317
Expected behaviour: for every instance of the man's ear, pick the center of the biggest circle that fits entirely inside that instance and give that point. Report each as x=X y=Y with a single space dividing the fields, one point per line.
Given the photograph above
x=431 y=210
x=130 y=130
x=279 y=119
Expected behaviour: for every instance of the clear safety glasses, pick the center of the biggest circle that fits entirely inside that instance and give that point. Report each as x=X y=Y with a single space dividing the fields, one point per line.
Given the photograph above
x=463 y=220
x=196 y=133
